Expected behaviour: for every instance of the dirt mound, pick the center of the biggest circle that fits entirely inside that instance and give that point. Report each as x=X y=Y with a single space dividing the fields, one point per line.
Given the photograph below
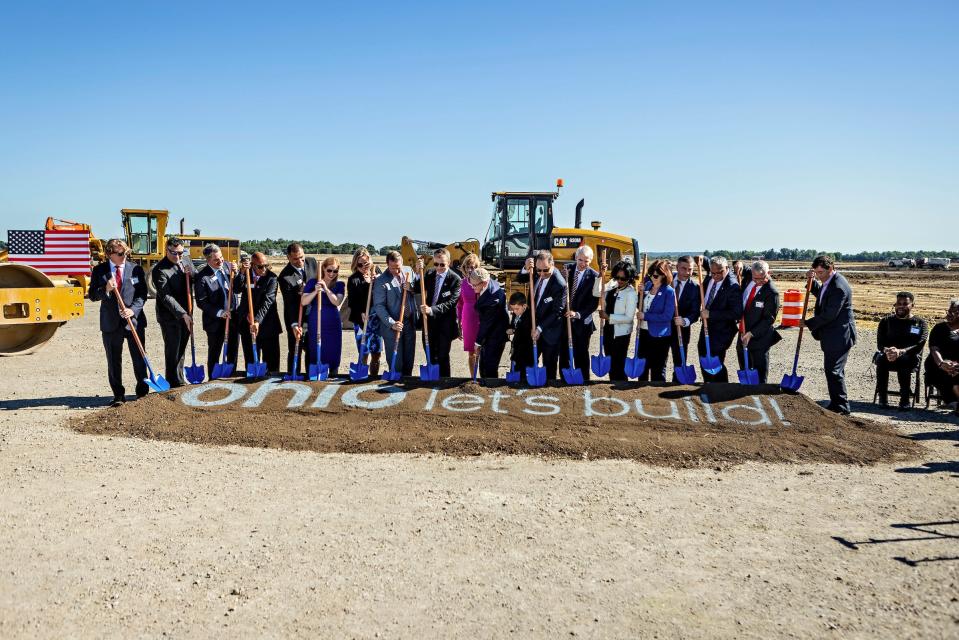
x=669 y=425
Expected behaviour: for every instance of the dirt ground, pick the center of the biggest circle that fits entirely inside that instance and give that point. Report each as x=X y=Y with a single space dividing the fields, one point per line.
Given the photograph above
x=116 y=536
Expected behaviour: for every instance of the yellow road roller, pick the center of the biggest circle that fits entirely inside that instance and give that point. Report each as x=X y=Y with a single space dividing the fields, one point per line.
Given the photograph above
x=33 y=307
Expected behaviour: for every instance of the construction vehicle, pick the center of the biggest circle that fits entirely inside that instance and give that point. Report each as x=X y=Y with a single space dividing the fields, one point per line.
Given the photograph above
x=522 y=223
x=902 y=262
x=145 y=231
x=934 y=263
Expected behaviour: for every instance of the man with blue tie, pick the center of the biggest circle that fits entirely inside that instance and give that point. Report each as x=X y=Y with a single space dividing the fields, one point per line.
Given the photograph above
x=549 y=295
x=442 y=295
x=688 y=294
x=387 y=305
x=582 y=277
x=212 y=289
x=722 y=309
x=833 y=326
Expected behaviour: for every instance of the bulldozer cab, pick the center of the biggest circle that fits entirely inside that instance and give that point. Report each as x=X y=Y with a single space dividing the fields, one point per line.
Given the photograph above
x=144 y=229
x=521 y=223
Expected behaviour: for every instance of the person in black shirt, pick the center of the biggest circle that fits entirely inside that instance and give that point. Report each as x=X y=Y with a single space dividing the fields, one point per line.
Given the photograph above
x=942 y=365
x=520 y=327
x=370 y=345
x=900 y=339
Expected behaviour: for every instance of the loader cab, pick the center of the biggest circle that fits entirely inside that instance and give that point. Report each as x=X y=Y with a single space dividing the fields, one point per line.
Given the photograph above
x=520 y=224
x=144 y=230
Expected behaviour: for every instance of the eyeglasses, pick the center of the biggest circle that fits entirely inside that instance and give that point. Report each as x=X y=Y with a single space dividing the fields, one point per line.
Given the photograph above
x=362 y=265
x=655 y=275
x=542 y=271
x=118 y=253
x=622 y=278
x=174 y=253
x=259 y=266
x=439 y=265
x=332 y=270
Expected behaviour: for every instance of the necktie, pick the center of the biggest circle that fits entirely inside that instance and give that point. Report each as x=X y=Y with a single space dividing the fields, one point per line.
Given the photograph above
x=749 y=301
x=119 y=278
x=221 y=277
x=679 y=293
x=713 y=288
x=436 y=289
x=579 y=274
x=541 y=288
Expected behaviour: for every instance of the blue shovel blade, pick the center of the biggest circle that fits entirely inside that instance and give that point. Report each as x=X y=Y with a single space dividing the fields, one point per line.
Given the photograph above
x=711 y=364
x=748 y=376
x=635 y=367
x=791 y=382
x=600 y=364
x=194 y=374
x=319 y=372
x=359 y=371
x=392 y=376
x=512 y=375
x=536 y=376
x=686 y=374
x=429 y=372
x=222 y=370
x=573 y=376
x=157 y=383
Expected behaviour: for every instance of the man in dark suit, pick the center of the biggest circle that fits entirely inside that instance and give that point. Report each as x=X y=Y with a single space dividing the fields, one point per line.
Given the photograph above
x=293 y=277
x=833 y=326
x=581 y=277
x=266 y=327
x=176 y=323
x=439 y=309
x=688 y=294
x=130 y=281
x=212 y=287
x=760 y=307
x=493 y=321
x=548 y=293
x=387 y=305
x=723 y=307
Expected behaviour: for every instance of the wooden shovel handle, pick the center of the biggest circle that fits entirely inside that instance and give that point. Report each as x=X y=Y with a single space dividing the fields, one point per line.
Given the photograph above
x=133 y=330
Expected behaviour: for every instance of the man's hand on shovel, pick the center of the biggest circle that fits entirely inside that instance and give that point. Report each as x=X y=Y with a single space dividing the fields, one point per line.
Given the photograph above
x=188 y=321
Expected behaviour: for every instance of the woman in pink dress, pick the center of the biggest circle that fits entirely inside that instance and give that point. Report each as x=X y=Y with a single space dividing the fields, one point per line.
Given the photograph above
x=466 y=309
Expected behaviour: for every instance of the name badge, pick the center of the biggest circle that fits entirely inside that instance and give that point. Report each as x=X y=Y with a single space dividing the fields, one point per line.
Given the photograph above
x=446 y=294
x=914 y=330
x=134 y=280
x=299 y=281
x=759 y=305
x=547 y=300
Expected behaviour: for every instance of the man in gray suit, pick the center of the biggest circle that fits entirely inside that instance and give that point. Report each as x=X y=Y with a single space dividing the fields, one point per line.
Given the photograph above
x=833 y=326
x=757 y=331
x=387 y=304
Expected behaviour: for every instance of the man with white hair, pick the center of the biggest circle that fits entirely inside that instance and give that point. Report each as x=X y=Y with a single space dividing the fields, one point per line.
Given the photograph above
x=757 y=331
x=722 y=308
x=491 y=336
x=581 y=278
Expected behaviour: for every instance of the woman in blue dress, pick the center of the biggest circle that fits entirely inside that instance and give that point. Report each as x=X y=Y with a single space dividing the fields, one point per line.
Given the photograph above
x=330 y=292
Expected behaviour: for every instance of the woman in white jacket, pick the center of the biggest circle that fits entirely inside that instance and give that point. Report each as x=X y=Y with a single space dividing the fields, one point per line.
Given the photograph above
x=620 y=295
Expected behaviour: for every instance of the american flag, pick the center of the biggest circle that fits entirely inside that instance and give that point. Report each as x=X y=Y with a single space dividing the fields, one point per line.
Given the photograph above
x=53 y=252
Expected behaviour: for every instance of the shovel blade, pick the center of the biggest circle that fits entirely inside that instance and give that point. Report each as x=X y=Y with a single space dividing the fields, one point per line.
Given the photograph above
x=429 y=372
x=791 y=382
x=319 y=372
x=536 y=376
x=512 y=375
x=158 y=383
x=600 y=365
x=194 y=374
x=635 y=367
x=573 y=376
x=748 y=376
x=711 y=364
x=686 y=374
x=392 y=376
x=359 y=371
x=222 y=370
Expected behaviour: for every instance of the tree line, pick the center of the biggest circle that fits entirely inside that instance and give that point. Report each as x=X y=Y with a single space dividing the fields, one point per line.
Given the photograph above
x=806 y=255
x=270 y=246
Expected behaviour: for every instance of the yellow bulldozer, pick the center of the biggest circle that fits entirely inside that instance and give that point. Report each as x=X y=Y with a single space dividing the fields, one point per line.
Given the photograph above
x=522 y=223
x=34 y=305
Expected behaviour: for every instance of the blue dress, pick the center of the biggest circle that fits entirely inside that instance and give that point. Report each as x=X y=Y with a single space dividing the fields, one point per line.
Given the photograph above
x=330 y=341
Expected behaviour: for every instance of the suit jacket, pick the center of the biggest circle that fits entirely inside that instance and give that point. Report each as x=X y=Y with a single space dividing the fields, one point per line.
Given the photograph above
x=134 y=293
x=170 y=282
x=291 y=284
x=833 y=325
x=584 y=301
x=662 y=311
x=264 y=304
x=388 y=301
x=689 y=300
x=725 y=310
x=493 y=316
x=551 y=308
x=211 y=297
x=522 y=339
x=759 y=317
x=443 y=308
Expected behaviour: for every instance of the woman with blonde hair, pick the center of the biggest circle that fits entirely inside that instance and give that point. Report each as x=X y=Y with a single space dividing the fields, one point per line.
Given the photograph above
x=466 y=314
x=324 y=317
x=357 y=292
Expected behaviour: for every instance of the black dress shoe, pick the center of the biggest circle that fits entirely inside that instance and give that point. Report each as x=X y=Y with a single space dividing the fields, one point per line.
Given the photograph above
x=116 y=403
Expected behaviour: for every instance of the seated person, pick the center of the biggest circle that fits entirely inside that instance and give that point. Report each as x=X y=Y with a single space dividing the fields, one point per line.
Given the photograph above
x=900 y=338
x=942 y=365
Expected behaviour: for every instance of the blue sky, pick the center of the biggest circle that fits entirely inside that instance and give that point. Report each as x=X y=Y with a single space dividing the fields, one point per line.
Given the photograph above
x=832 y=125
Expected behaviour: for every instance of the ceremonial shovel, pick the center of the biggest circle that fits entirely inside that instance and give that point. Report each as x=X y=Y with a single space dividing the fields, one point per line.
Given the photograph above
x=793 y=382
x=535 y=375
x=295 y=373
x=571 y=375
x=318 y=370
x=155 y=381
x=747 y=375
x=255 y=369
x=224 y=369
x=709 y=362
x=635 y=366
x=393 y=375
x=428 y=372
x=194 y=374
x=513 y=375
x=686 y=374
x=358 y=370
x=601 y=363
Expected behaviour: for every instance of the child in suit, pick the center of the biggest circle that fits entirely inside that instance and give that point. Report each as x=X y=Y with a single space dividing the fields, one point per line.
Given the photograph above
x=520 y=328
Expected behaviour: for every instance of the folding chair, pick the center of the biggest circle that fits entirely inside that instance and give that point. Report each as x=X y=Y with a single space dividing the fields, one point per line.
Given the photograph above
x=914 y=388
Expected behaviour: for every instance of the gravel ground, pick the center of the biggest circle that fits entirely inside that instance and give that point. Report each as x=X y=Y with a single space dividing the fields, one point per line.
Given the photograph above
x=116 y=537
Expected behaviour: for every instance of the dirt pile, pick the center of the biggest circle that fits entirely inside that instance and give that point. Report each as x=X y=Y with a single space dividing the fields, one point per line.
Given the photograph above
x=669 y=425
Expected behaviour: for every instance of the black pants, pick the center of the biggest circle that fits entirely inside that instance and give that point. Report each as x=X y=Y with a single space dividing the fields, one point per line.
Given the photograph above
x=656 y=351
x=215 y=340
x=617 y=349
x=580 y=350
x=549 y=353
x=903 y=367
x=440 y=345
x=291 y=351
x=942 y=381
x=175 y=339
x=407 y=348
x=758 y=360
x=718 y=350
x=113 y=346
x=490 y=355
x=268 y=346
x=834 y=365
x=674 y=347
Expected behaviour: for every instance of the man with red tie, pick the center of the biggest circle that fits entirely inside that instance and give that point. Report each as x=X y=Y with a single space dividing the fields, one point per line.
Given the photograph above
x=129 y=281
x=723 y=308
x=443 y=288
x=756 y=329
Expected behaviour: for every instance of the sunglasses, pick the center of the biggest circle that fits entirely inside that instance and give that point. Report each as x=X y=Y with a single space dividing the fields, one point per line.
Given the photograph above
x=362 y=265
x=259 y=266
x=175 y=253
x=655 y=275
x=332 y=270
x=622 y=278
x=118 y=253
x=542 y=271
x=440 y=265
